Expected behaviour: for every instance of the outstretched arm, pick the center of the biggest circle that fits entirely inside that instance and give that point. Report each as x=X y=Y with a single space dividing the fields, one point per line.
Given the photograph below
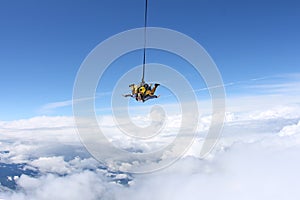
x=127 y=95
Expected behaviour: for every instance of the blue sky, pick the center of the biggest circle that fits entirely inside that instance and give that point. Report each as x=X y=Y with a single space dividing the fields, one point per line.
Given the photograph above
x=43 y=43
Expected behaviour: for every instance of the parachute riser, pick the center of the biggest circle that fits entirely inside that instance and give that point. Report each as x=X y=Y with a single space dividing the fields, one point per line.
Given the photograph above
x=145 y=39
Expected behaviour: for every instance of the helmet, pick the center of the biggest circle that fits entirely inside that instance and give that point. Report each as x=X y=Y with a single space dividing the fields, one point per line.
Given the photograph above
x=142 y=89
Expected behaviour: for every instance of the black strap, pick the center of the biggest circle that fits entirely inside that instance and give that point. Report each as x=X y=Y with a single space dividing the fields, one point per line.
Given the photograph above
x=145 y=31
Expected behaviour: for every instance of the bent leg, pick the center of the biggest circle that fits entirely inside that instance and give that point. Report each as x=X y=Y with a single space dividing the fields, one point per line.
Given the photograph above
x=150 y=97
x=154 y=88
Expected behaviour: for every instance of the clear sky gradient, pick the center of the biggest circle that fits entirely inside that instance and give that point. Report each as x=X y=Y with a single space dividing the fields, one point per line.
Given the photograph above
x=43 y=43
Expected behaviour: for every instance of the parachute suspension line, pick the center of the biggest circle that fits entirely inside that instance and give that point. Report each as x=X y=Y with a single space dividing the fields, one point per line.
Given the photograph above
x=145 y=39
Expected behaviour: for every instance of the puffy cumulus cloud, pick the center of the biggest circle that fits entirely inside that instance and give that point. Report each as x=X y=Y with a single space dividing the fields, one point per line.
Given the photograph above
x=27 y=139
x=264 y=169
x=61 y=179
x=287 y=112
x=51 y=164
x=290 y=130
x=58 y=165
x=169 y=130
x=251 y=161
x=84 y=185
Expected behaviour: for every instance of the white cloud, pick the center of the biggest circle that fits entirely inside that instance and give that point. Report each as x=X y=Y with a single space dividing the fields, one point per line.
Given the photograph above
x=282 y=88
x=286 y=84
x=287 y=112
x=51 y=107
x=290 y=130
x=51 y=164
x=244 y=171
x=257 y=166
x=256 y=158
x=40 y=128
x=84 y=185
x=39 y=122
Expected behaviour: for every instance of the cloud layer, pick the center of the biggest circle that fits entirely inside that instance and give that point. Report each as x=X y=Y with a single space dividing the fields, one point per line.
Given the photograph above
x=256 y=158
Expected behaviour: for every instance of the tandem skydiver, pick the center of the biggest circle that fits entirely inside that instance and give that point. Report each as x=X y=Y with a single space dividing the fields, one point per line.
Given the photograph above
x=142 y=92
